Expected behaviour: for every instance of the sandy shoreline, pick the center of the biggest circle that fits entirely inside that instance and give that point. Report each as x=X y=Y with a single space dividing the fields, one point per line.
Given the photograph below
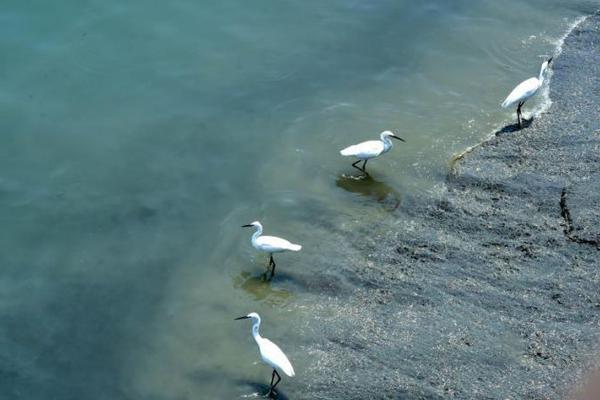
x=491 y=291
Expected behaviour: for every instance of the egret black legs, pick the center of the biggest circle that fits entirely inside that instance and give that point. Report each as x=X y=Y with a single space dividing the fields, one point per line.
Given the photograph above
x=272 y=265
x=519 y=114
x=364 y=166
x=272 y=387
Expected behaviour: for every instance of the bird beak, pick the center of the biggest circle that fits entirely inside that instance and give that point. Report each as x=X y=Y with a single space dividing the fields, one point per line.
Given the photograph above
x=242 y=317
x=247 y=226
x=398 y=138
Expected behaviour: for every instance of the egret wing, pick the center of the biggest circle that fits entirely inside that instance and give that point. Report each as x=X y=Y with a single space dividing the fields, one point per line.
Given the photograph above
x=273 y=356
x=274 y=244
x=364 y=150
x=522 y=92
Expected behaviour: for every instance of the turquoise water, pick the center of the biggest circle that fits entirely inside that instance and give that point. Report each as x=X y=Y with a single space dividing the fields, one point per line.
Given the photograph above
x=137 y=137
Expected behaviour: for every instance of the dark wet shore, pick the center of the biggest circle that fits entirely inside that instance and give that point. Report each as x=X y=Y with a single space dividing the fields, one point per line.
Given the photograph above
x=491 y=291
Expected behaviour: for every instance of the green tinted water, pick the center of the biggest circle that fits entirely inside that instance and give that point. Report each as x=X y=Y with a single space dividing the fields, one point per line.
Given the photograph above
x=137 y=137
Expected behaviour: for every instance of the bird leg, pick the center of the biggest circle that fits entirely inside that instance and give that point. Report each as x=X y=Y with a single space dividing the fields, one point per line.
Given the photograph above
x=356 y=166
x=363 y=170
x=519 y=114
x=272 y=379
x=272 y=265
x=278 y=379
x=272 y=389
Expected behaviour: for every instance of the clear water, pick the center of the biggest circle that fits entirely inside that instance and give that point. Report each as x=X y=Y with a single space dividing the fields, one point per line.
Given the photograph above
x=136 y=138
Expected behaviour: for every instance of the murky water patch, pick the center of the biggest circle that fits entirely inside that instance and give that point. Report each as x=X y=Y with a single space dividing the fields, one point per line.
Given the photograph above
x=137 y=139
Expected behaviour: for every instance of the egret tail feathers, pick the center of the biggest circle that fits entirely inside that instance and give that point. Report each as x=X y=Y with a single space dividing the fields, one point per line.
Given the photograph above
x=289 y=370
x=348 y=151
x=508 y=102
x=295 y=247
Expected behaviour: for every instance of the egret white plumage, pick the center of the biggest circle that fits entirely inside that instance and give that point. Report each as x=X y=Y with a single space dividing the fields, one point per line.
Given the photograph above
x=270 y=353
x=525 y=90
x=270 y=244
x=370 y=149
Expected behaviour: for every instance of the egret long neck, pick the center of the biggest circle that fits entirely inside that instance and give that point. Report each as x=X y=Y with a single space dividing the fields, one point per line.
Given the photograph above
x=259 y=231
x=255 y=333
x=542 y=73
x=387 y=143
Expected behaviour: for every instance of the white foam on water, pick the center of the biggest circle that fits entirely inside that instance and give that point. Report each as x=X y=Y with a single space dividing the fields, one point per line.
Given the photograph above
x=561 y=40
x=251 y=395
x=546 y=102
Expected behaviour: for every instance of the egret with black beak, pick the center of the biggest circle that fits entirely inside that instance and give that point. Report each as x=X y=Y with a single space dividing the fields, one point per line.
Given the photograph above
x=370 y=149
x=270 y=244
x=270 y=353
x=525 y=90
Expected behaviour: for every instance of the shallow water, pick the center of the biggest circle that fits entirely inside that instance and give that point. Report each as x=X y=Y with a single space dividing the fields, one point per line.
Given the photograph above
x=138 y=137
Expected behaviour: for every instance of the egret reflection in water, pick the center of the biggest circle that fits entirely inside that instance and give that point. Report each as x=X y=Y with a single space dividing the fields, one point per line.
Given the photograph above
x=369 y=187
x=259 y=287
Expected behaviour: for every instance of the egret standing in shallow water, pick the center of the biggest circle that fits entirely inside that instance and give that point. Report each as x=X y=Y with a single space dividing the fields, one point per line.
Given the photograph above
x=370 y=149
x=525 y=90
x=270 y=244
x=270 y=353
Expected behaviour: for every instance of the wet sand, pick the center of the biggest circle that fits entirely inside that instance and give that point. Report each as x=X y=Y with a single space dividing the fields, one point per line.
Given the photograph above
x=490 y=290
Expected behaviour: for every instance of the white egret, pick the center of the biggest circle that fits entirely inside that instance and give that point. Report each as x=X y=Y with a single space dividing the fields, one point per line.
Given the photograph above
x=270 y=244
x=370 y=149
x=525 y=90
x=270 y=353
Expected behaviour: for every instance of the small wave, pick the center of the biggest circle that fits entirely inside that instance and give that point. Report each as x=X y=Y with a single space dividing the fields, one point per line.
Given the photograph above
x=545 y=103
x=561 y=40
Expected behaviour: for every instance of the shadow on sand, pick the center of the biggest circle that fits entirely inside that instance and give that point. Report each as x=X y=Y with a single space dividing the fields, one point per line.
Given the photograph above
x=367 y=186
x=515 y=127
